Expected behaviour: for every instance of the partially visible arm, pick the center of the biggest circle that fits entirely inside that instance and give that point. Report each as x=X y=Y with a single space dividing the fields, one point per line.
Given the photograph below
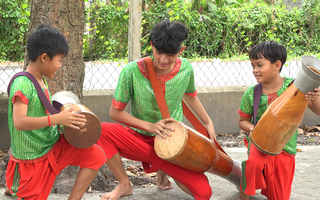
x=20 y=119
x=197 y=107
x=245 y=124
x=314 y=103
x=158 y=128
x=23 y=122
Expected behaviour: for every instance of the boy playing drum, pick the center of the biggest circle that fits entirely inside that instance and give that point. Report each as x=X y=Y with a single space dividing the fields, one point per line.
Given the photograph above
x=136 y=141
x=39 y=150
x=272 y=174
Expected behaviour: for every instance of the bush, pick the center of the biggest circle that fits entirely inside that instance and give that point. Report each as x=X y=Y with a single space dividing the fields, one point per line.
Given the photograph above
x=218 y=29
x=14 y=17
x=109 y=23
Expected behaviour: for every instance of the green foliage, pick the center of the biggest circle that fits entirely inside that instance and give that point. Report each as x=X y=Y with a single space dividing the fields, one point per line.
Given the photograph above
x=108 y=32
x=228 y=28
x=14 y=17
x=217 y=28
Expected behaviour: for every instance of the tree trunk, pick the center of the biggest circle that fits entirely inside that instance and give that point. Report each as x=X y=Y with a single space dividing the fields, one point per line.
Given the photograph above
x=68 y=17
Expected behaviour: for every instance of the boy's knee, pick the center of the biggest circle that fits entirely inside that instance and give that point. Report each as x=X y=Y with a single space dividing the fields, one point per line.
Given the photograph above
x=205 y=193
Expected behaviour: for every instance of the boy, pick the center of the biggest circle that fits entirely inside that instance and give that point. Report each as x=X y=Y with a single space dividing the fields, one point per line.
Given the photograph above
x=39 y=151
x=272 y=174
x=145 y=121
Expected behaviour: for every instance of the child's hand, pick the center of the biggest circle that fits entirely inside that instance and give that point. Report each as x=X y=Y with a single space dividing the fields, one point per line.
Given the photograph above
x=313 y=95
x=160 y=128
x=251 y=129
x=70 y=119
x=210 y=130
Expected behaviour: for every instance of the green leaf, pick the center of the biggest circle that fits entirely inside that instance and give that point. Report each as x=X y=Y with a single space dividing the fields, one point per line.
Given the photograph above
x=24 y=5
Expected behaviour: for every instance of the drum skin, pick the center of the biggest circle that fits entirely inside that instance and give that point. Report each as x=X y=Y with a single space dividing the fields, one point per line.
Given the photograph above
x=88 y=134
x=279 y=121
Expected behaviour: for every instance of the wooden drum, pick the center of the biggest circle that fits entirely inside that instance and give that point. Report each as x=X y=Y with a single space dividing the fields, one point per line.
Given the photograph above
x=284 y=115
x=184 y=148
x=90 y=132
x=191 y=150
x=279 y=121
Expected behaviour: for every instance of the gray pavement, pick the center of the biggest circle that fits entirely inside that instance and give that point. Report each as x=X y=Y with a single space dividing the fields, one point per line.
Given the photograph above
x=305 y=183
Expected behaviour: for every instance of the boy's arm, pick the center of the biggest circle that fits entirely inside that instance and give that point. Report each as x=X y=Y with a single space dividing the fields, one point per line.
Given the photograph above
x=197 y=107
x=123 y=117
x=23 y=122
x=314 y=103
x=245 y=124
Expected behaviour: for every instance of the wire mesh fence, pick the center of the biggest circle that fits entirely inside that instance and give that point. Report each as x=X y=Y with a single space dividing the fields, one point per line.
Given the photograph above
x=221 y=33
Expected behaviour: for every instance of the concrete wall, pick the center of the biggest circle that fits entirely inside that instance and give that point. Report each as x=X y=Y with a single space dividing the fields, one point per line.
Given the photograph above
x=222 y=105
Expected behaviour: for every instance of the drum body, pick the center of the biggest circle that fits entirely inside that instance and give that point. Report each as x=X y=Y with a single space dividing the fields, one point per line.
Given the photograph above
x=191 y=150
x=279 y=122
x=90 y=132
x=283 y=116
x=186 y=148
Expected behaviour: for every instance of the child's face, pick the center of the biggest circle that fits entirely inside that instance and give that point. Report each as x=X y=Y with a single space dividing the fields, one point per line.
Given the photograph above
x=163 y=62
x=51 y=66
x=264 y=71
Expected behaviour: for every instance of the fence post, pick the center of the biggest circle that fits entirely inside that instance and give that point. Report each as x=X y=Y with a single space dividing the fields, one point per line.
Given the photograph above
x=135 y=10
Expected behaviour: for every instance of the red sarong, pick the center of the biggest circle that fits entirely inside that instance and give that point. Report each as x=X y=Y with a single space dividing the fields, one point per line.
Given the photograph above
x=272 y=174
x=34 y=180
x=130 y=144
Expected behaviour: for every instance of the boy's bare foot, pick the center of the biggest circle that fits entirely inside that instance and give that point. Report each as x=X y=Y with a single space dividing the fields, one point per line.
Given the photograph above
x=120 y=191
x=7 y=192
x=243 y=196
x=163 y=181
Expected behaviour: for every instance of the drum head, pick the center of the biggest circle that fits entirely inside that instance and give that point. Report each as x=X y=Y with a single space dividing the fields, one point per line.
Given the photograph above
x=87 y=135
x=172 y=147
x=65 y=97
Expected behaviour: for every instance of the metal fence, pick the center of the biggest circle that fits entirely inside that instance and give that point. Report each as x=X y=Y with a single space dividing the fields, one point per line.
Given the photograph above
x=221 y=33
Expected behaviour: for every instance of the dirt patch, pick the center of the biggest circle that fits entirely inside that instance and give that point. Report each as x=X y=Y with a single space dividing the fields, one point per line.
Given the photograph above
x=103 y=182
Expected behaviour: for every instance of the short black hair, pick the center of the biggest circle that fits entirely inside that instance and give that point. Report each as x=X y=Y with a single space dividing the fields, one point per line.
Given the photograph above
x=46 y=39
x=270 y=50
x=167 y=36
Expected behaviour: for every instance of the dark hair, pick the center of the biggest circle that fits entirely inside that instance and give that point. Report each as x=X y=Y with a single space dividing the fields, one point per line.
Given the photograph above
x=271 y=51
x=167 y=36
x=46 y=39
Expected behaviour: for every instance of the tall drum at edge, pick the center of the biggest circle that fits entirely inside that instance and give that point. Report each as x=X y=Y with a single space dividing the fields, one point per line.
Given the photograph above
x=284 y=115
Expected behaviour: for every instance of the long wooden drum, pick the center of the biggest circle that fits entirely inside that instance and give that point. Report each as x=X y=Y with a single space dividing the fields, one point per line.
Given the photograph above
x=90 y=132
x=186 y=148
x=279 y=121
x=191 y=150
x=284 y=115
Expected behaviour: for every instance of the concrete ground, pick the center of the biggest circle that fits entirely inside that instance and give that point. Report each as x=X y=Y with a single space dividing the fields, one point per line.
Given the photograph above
x=305 y=183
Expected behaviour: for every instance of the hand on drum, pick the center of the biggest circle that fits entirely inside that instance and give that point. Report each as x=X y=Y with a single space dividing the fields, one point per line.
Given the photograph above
x=69 y=119
x=210 y=130
x=160 y=128
x=313 y=95
x=251 y=129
